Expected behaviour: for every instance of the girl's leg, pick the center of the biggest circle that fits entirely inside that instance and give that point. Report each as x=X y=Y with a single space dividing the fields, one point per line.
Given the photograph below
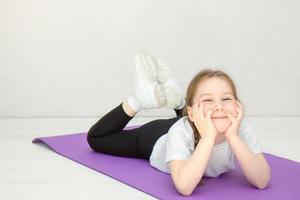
x=108 y=136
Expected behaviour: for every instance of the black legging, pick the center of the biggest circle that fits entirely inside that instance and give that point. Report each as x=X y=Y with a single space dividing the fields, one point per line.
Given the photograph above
x=107 y=135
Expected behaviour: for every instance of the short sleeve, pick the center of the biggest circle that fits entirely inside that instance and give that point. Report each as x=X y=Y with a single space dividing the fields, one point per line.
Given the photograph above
x=179 y=146
x=246 y=133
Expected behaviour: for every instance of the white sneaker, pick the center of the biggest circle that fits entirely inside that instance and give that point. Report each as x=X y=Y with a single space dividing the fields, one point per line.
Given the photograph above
x=146 y=67
x=148 y=91
x=171 y=88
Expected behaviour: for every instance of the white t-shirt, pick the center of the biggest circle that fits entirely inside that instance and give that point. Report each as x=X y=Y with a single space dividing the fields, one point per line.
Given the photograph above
x=179 y=142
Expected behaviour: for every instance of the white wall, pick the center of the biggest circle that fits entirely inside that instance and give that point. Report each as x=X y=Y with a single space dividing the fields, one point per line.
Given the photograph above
x=75 y=58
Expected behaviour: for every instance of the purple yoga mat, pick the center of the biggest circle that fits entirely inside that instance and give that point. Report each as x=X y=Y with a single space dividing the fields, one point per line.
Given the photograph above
x=285 y=181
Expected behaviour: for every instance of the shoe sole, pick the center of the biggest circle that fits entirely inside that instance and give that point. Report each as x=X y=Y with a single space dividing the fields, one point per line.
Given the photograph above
x=163 y=71
x=159 y=96
x=147 y=69
x=173 y=94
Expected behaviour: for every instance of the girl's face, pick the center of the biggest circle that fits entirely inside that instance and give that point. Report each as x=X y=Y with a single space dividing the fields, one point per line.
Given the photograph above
x=216 y=94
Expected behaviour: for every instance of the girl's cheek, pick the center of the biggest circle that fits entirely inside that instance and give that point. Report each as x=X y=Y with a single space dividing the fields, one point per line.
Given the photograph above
x=205 y=109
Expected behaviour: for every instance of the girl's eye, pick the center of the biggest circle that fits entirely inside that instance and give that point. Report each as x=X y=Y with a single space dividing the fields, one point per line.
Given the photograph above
x=227 y=99
x=207 y=100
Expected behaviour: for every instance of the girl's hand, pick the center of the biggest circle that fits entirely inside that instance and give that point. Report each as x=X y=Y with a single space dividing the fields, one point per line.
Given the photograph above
x=204 y=124
x=233 y=129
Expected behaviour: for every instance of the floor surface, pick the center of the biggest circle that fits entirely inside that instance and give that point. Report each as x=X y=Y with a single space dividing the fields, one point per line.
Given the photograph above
x=31 y=171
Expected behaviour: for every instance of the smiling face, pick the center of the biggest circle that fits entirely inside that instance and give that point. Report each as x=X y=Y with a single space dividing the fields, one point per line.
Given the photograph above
x=217 y=95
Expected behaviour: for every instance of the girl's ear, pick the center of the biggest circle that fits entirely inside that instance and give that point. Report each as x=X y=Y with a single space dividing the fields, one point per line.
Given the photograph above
x=190 y=113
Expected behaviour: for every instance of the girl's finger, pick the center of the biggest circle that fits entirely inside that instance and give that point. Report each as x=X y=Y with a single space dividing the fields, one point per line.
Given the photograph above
x=208 y=114
x=230 y=116
x=239 y=105
x=239 y=115
x=239 y=112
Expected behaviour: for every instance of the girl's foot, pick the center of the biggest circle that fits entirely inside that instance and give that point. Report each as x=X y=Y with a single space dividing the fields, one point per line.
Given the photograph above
x=169 y=84
x=148 y=93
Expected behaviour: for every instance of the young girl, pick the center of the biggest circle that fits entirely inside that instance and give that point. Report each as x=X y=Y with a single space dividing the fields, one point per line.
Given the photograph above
x=203 y=140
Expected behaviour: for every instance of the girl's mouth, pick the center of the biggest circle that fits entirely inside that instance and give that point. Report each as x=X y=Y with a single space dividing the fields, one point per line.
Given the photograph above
x=220 y=117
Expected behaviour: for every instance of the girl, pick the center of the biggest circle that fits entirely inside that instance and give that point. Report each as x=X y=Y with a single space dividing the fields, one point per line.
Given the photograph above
x=202 y=140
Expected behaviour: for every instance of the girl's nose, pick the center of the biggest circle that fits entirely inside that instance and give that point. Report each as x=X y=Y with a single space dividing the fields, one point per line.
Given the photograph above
x=219 y=107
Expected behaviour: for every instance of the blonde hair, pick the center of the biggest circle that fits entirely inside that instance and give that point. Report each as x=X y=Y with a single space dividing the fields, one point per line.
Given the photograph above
x=192 y=88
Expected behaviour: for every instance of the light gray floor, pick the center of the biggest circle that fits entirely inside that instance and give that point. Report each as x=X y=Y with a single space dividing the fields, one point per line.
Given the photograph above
x=31 y=171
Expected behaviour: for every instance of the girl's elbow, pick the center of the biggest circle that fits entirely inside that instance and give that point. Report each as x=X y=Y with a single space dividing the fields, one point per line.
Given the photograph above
x=185 y=190
x=262 y=186
x=186 y=193
x=264 y=183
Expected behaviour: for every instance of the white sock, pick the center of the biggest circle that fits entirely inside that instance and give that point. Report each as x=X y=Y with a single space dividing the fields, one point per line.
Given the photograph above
x=133 y=103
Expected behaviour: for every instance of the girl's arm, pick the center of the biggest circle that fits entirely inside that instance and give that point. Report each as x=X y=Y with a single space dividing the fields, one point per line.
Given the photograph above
x=254 y=166
x=186 y=175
